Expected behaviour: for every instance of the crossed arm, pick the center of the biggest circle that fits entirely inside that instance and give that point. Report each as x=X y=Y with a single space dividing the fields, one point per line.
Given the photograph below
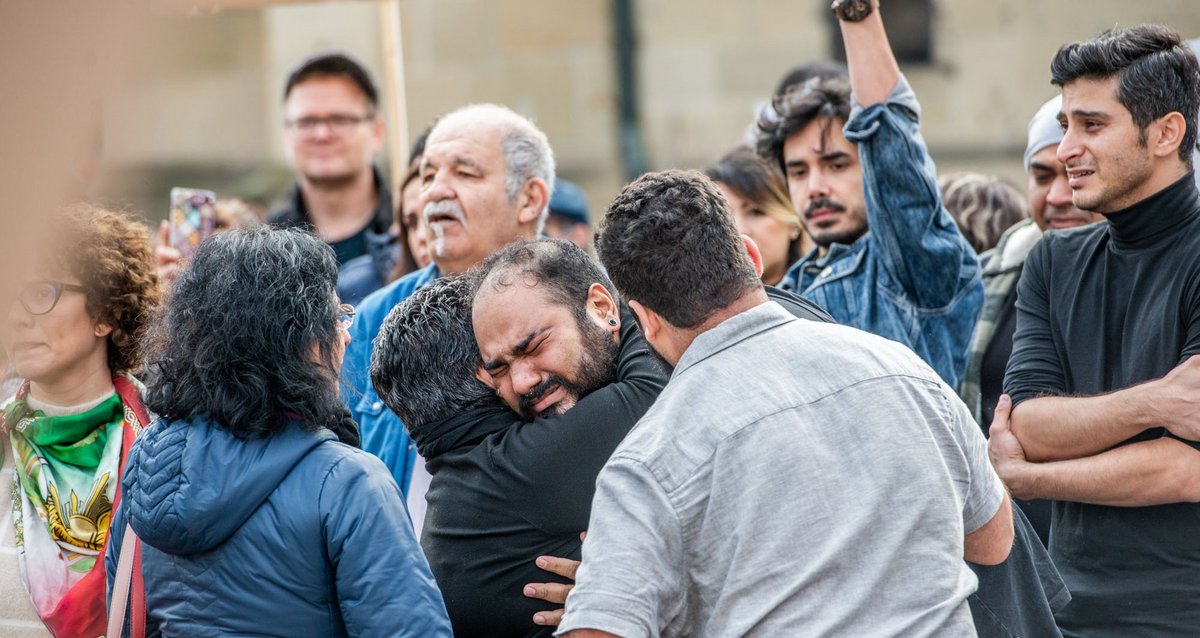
x=1153 y=472
x=1065 y=428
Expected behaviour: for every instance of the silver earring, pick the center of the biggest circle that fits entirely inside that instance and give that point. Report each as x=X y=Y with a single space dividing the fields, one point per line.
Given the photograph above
x=612 y=322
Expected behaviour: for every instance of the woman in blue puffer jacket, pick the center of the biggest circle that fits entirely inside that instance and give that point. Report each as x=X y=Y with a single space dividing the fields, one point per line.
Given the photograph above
x=257 y=512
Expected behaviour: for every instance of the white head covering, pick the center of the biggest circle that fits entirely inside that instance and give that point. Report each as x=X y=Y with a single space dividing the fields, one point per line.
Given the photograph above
x=1044 y=128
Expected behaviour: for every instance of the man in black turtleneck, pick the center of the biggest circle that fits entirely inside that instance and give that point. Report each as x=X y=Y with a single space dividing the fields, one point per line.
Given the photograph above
x=1106 y=420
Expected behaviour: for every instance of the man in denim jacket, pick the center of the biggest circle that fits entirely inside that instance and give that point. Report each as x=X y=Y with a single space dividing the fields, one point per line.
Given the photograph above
x=889 y=258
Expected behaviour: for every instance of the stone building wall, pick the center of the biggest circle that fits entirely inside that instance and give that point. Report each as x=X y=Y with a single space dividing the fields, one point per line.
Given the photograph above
x=204 y=108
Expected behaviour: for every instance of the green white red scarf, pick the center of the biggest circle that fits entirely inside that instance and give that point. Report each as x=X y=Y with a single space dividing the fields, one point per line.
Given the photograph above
x=66 y=485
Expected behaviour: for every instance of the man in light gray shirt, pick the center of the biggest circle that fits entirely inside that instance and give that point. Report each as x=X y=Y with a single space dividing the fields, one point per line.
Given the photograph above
x=793 y=477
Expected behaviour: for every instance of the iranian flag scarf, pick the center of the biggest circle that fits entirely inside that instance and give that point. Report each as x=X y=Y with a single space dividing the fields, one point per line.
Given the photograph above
x=66 y=485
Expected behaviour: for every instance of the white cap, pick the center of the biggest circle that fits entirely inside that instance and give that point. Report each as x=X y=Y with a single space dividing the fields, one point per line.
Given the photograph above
x=1044 y=128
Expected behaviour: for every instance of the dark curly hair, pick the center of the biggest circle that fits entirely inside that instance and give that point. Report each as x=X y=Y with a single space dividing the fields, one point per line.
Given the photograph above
x=425 y=357
x=753 y=178
x=111 y=255
x=1156 y=74
x=818 y=99
x=668 y=241
x=248 y=335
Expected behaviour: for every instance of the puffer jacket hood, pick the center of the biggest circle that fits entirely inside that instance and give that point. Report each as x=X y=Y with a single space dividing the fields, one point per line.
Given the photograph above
x=191 y=483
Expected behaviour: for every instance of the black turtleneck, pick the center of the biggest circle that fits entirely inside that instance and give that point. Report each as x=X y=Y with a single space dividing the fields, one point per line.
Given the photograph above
x=1099 y=309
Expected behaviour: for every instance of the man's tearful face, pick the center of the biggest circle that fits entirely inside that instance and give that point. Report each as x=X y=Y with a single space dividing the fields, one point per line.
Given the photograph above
x=540 y=356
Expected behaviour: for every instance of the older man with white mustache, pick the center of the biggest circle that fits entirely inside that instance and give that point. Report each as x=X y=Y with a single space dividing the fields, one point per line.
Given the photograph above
x=486 y=178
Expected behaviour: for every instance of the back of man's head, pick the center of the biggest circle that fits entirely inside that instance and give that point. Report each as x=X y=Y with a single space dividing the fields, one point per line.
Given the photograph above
x=669 y=242
x=425 y=356
x=1157 y=74
x=562 y=270
x=525 y=148
x=802 y=73
x=819 y=98
x=333 y=64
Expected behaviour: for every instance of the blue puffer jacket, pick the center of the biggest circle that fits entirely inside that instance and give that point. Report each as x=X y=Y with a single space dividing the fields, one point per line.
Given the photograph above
x=292 y=535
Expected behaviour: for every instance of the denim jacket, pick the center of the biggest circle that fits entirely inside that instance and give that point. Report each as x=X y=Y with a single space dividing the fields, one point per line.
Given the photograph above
x=912 y=278
x=382 y=432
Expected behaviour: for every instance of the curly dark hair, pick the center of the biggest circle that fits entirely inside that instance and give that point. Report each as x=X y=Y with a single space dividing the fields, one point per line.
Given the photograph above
x=752 y=177
x=1156 y=72
x=669 y=242
x=248 y=336
x=425 y=356
x=111 y=255
x=819 y=98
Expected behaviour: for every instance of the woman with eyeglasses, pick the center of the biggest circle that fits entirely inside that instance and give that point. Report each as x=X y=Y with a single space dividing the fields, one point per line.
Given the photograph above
x=256 y=512
x=72 y=335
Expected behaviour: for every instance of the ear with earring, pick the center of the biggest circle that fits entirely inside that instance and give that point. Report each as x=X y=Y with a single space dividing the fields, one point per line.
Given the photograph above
x=612 y=322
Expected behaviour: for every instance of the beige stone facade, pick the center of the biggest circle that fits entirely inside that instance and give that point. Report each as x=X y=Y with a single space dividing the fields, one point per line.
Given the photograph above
x=204 y=109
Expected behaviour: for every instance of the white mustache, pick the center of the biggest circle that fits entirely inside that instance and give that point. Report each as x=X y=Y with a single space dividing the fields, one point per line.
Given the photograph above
x=445 y=207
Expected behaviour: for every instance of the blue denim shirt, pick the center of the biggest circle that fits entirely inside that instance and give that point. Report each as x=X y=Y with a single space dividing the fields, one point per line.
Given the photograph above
x=382 y=432
x=912 y=278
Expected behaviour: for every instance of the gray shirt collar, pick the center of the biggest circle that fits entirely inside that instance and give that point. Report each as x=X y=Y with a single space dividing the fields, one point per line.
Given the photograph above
x=730 y=332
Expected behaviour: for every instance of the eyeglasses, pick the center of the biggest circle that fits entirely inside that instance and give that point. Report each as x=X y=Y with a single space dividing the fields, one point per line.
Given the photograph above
x=40 y=297
x=337 y=124
x=345 y=315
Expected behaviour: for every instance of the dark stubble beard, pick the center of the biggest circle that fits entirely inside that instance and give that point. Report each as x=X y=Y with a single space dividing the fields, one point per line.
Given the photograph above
x=596 y=369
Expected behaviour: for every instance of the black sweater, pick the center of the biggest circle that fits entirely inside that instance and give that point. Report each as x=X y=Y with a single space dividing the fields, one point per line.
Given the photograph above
x=1099 y=309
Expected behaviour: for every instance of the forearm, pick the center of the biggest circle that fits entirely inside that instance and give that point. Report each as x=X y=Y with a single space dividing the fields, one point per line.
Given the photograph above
x=1141 y=474
x=1064 y=428
x=873 y=68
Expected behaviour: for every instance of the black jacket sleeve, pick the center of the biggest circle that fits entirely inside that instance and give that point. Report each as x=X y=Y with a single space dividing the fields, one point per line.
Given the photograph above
x=1035 y=367
x=554 y=461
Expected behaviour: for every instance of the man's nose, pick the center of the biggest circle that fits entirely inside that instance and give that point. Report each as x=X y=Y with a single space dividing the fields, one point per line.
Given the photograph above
x=524 y=377
x=1060 y=191
x=818 y=185
x=436 y=189
x=1069 y=148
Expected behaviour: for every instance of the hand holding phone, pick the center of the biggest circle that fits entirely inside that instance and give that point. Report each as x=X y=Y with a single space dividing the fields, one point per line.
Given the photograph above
x=192 y=219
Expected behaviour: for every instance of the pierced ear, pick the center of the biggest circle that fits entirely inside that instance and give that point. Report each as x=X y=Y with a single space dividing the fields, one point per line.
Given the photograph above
x=755 y=254
x=1171 y=128
x=603 y=308
x=534 y=197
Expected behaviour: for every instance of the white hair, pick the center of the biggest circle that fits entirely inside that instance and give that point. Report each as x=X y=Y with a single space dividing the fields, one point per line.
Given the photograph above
x=526 y=150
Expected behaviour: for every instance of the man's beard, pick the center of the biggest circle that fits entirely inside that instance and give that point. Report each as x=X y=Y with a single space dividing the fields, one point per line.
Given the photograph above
x=596 y=369
x=825 y=237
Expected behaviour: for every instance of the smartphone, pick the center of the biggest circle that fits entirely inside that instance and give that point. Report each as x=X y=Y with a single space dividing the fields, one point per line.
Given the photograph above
x=193 y=218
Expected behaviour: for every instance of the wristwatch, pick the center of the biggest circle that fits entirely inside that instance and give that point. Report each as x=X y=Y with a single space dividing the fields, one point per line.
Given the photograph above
x=852 y=10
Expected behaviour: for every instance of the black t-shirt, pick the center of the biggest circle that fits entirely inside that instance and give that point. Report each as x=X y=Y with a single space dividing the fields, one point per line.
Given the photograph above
x=1099 y=309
